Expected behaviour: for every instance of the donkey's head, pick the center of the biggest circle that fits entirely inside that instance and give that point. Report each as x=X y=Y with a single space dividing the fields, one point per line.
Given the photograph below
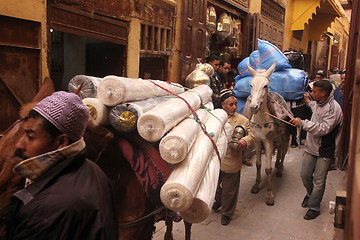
x=259 y=86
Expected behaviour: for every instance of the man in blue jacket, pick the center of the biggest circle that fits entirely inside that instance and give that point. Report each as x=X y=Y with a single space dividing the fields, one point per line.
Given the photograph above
x=321 y=145
x=65 y=196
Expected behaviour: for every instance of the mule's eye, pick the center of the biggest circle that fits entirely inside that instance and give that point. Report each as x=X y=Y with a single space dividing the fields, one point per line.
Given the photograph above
x=250 y=85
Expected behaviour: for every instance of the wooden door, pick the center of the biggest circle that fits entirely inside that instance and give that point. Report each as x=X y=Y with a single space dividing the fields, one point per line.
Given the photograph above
x=20 y=66
x=192 y=35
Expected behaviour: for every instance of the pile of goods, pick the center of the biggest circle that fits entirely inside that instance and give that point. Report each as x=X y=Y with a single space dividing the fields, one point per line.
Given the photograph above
x=192 y=136
x=289 y=82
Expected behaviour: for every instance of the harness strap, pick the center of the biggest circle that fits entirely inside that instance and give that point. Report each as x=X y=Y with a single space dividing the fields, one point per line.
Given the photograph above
x=137 y=221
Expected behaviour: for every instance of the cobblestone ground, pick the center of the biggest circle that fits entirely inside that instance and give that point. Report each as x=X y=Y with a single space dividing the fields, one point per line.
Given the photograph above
x=254 y=220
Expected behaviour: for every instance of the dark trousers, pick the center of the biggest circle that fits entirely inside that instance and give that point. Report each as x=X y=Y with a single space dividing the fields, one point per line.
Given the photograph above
x=227 y=192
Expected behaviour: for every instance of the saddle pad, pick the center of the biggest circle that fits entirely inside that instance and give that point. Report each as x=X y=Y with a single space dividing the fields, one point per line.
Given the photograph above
x=150 y=169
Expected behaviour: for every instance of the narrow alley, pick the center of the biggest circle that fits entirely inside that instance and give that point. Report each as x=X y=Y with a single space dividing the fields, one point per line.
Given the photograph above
x=254 y=220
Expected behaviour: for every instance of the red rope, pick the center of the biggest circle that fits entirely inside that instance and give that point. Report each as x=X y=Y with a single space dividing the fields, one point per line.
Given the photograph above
x=194 y=113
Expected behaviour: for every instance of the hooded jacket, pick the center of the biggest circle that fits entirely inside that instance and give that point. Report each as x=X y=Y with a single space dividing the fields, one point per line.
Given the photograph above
x=323 y=129
x=69 y=197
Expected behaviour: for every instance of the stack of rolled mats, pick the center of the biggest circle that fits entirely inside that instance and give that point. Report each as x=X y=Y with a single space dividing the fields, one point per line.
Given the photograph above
x=191 y=134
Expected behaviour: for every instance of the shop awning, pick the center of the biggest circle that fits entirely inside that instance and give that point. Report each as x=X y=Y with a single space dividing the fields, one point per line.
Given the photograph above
x=317 y=13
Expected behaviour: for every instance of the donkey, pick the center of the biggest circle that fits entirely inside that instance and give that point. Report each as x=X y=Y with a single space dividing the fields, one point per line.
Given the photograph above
x=270 y=131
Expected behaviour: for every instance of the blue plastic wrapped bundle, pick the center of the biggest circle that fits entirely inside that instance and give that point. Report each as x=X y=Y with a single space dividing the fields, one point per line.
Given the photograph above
x=240 y=105
x=263 y=59
x=270 y=53
x=242 y=69
x=242 y=86
x=289 y=83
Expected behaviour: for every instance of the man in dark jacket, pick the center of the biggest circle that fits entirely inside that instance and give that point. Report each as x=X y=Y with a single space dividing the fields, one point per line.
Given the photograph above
x=65 y=196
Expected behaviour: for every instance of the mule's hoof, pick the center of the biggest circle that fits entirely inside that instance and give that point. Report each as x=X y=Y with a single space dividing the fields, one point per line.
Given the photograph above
x=255 y=190
x=270 y=202
x=279 y=174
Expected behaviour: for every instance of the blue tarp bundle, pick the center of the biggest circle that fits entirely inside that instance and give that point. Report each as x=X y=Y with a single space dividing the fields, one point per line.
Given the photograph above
x=288 y=82
x=240 y=105
x=263 y=59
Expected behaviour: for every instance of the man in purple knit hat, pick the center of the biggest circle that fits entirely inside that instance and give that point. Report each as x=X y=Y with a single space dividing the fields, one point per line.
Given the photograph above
x=65 y=196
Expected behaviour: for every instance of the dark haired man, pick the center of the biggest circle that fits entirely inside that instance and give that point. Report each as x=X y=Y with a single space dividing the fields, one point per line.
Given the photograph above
x=321 y=145
x=215 y=82
x=225 y=68
x=66 y=196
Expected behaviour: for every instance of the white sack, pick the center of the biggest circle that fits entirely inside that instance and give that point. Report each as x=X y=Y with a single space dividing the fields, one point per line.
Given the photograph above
x=153 y=124
x=179 y=190
x=113 y=90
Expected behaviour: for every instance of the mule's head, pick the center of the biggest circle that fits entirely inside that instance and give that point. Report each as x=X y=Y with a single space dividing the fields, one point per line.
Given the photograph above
x=259 y=86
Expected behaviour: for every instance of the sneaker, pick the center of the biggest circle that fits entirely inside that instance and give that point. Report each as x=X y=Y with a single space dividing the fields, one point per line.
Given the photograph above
x=305 y=201
x=216 y=206
x=311 y=214
x=225 y=220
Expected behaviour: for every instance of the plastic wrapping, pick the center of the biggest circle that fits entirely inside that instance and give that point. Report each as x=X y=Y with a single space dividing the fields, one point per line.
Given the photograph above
x=200 y=75
x=175 y=145
x=123 y=117
x=201 y=206
x=224 y=26
x=153 y=124
x=263 y=59
x=269 y=53
x=289 y=83
x=114 y=90
x=211 y=19
x=98 y=111
x=89 y=87
x=180 y=188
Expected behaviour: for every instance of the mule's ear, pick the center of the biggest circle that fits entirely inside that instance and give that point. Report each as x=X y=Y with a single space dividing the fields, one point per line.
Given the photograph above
x=251 y=70
x=270 y=70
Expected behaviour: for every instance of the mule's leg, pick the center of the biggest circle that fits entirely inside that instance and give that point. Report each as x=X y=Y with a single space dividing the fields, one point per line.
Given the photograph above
x=282 y=150
x=169 y=229
x=256 y=188
x=268 y=170
x=187 y=230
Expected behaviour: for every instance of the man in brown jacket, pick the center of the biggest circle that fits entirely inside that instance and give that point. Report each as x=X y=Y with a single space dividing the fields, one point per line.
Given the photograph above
x=229 y=179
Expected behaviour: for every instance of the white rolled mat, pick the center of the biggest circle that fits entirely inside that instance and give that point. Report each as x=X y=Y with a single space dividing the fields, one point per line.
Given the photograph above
x=113 y=90
x=179 y=190
x=201 y=206
x=153 y=124
x=98 y=111
x=123 y=117
x=175 y=145
x=89 y=88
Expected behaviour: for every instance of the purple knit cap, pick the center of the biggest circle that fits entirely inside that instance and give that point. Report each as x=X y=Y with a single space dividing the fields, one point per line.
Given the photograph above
x=66 y=112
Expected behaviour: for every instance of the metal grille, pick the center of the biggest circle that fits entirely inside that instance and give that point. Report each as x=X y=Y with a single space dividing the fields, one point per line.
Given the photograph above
x=155 y=39
x=273 y=11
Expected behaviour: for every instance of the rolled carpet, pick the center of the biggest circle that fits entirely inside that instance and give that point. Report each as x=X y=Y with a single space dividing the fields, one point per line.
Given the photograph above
x=89 y=87
x=179 y=190
x=114 y=90
x=98 y=111
x=201 y=206
x=153 y=124
x=175 y=145
x=123 y=117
